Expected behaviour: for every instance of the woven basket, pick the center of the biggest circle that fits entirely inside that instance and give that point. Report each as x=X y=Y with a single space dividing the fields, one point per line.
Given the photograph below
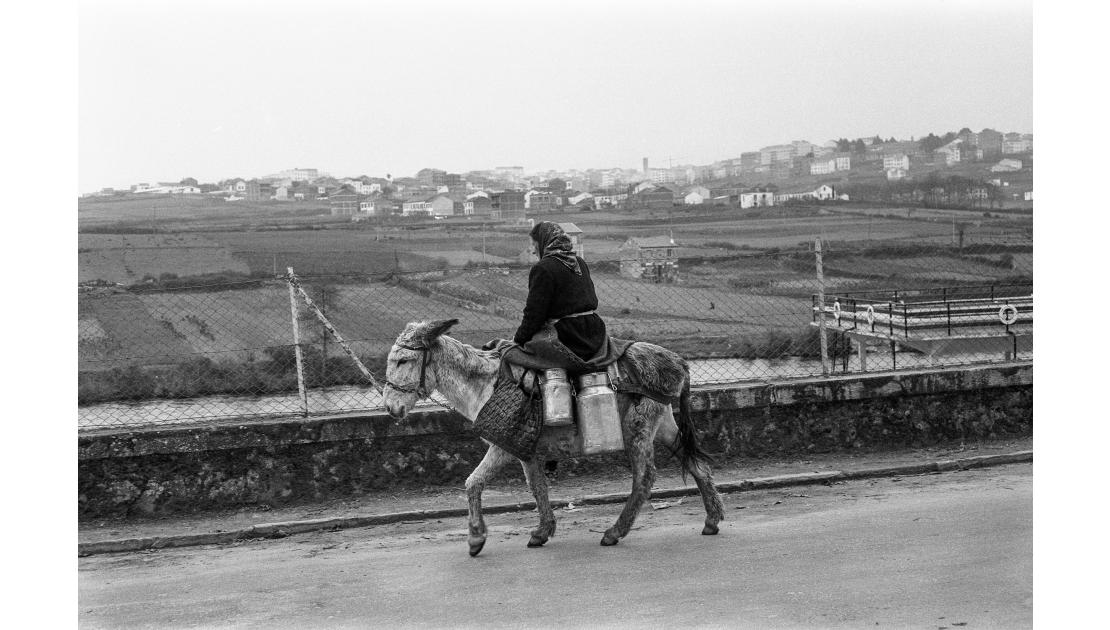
x=512 y=419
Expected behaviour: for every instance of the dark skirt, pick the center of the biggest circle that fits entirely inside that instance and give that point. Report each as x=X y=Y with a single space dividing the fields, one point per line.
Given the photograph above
x=584 y=335
x=569 y=343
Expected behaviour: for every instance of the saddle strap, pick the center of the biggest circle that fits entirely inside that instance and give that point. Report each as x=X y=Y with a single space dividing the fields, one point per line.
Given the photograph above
x=615 y=376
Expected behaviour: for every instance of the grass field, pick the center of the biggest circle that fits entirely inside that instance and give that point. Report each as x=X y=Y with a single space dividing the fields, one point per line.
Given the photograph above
x=127 y=258
x=170 y=212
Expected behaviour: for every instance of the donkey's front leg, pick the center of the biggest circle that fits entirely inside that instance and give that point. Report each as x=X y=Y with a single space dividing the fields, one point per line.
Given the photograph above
x=641 y=454
x=495 y=458
x=537 y=481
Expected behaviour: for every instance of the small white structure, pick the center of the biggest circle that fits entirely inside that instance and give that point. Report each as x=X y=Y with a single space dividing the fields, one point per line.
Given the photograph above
x=693 y=199
x=170 y=189
x=757 y=199
x=1007 y=165
x=579 y=198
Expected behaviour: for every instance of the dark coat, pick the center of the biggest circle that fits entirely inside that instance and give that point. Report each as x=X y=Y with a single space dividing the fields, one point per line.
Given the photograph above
x=555 y=291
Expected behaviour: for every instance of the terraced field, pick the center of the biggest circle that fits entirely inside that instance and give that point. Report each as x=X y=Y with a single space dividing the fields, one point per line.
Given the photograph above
x=936 y=268
x=127 y=258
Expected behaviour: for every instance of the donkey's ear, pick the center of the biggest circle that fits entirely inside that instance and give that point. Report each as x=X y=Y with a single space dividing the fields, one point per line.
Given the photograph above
x=436 y=329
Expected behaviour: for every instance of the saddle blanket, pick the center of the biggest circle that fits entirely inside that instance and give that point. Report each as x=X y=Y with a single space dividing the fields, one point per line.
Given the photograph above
x=623 y=373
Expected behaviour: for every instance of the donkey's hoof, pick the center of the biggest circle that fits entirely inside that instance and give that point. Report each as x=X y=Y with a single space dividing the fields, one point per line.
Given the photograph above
x=536 y=541
x=476 y=545
x=709 y=530
x=608 y=540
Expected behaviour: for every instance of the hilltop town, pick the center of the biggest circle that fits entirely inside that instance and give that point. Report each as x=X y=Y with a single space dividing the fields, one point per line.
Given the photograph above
x=987 y=169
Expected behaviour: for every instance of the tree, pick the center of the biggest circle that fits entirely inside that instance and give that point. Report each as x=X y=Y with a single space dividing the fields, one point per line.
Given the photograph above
x=843 y=145
x=189 y=181
x=557 y=185
x=930 y=143
x=859 y=146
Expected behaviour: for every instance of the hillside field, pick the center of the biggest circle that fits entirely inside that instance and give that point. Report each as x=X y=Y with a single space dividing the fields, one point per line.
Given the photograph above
x=343 y=248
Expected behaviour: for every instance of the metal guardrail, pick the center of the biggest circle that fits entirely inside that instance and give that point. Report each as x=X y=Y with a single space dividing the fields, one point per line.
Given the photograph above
x=934 y=322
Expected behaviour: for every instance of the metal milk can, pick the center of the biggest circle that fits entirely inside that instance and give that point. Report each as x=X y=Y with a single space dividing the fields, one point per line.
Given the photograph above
x=599 y=420
x=557 y=409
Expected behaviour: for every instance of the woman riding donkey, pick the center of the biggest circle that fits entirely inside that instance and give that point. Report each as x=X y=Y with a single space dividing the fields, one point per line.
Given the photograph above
x=560 y=322
x=560 y=328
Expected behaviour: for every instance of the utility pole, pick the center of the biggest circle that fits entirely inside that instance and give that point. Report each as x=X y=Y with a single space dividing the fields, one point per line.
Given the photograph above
x=822 y=333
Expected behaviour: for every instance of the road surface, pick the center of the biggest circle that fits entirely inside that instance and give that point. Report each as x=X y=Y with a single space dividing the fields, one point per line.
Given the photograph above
x=951 y=550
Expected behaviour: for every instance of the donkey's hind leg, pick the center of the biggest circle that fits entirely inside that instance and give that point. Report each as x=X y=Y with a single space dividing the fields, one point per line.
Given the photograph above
x=714 y=507
x=641 y=454
x=537 y=481
x=495 y=458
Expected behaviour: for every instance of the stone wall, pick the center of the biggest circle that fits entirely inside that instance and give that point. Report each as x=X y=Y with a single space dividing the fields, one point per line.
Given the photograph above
x=216 y=466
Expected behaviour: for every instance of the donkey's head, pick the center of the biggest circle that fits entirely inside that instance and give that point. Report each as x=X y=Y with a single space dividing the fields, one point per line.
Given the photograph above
x=407 y=377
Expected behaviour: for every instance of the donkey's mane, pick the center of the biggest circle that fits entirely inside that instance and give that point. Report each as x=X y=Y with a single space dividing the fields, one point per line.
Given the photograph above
x=466 y=360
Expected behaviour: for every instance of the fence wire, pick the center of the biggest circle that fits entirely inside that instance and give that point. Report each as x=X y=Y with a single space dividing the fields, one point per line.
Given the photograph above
x=160 y=356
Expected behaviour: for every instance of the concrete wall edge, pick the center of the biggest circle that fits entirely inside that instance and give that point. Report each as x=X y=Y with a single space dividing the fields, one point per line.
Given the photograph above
x=279 y=432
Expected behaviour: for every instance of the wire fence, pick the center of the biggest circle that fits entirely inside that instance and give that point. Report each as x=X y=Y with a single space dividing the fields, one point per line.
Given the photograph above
x=154 y=355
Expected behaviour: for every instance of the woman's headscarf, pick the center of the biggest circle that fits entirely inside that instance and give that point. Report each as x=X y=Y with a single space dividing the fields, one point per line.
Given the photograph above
x=555 y=243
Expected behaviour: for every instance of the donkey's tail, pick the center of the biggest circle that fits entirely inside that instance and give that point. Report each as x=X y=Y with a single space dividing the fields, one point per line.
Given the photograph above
x=689 y=452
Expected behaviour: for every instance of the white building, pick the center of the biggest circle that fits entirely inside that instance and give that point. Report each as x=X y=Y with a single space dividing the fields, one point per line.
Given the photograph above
x=824 y=192
x=830 y=163
x=896 y=160
x=301 y=174
x=416 y=208
x=757 y=199
x=950 y=153
x=1017 y=143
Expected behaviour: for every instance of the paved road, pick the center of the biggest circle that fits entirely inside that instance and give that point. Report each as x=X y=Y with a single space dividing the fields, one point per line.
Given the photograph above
x=952 y=550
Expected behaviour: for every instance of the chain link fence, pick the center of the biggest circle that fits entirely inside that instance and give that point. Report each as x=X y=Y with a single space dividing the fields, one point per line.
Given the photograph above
x=156 y=355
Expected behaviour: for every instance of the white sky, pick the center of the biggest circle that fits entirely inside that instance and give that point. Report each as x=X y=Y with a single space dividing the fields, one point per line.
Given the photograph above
x=214 y=90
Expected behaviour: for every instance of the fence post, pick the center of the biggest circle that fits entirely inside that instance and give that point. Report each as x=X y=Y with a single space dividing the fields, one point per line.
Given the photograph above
x=823 y=334
x=295 y=286
x=297 y=343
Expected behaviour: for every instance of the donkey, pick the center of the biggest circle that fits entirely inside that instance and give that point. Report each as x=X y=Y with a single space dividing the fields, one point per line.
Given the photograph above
x=423 y=359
